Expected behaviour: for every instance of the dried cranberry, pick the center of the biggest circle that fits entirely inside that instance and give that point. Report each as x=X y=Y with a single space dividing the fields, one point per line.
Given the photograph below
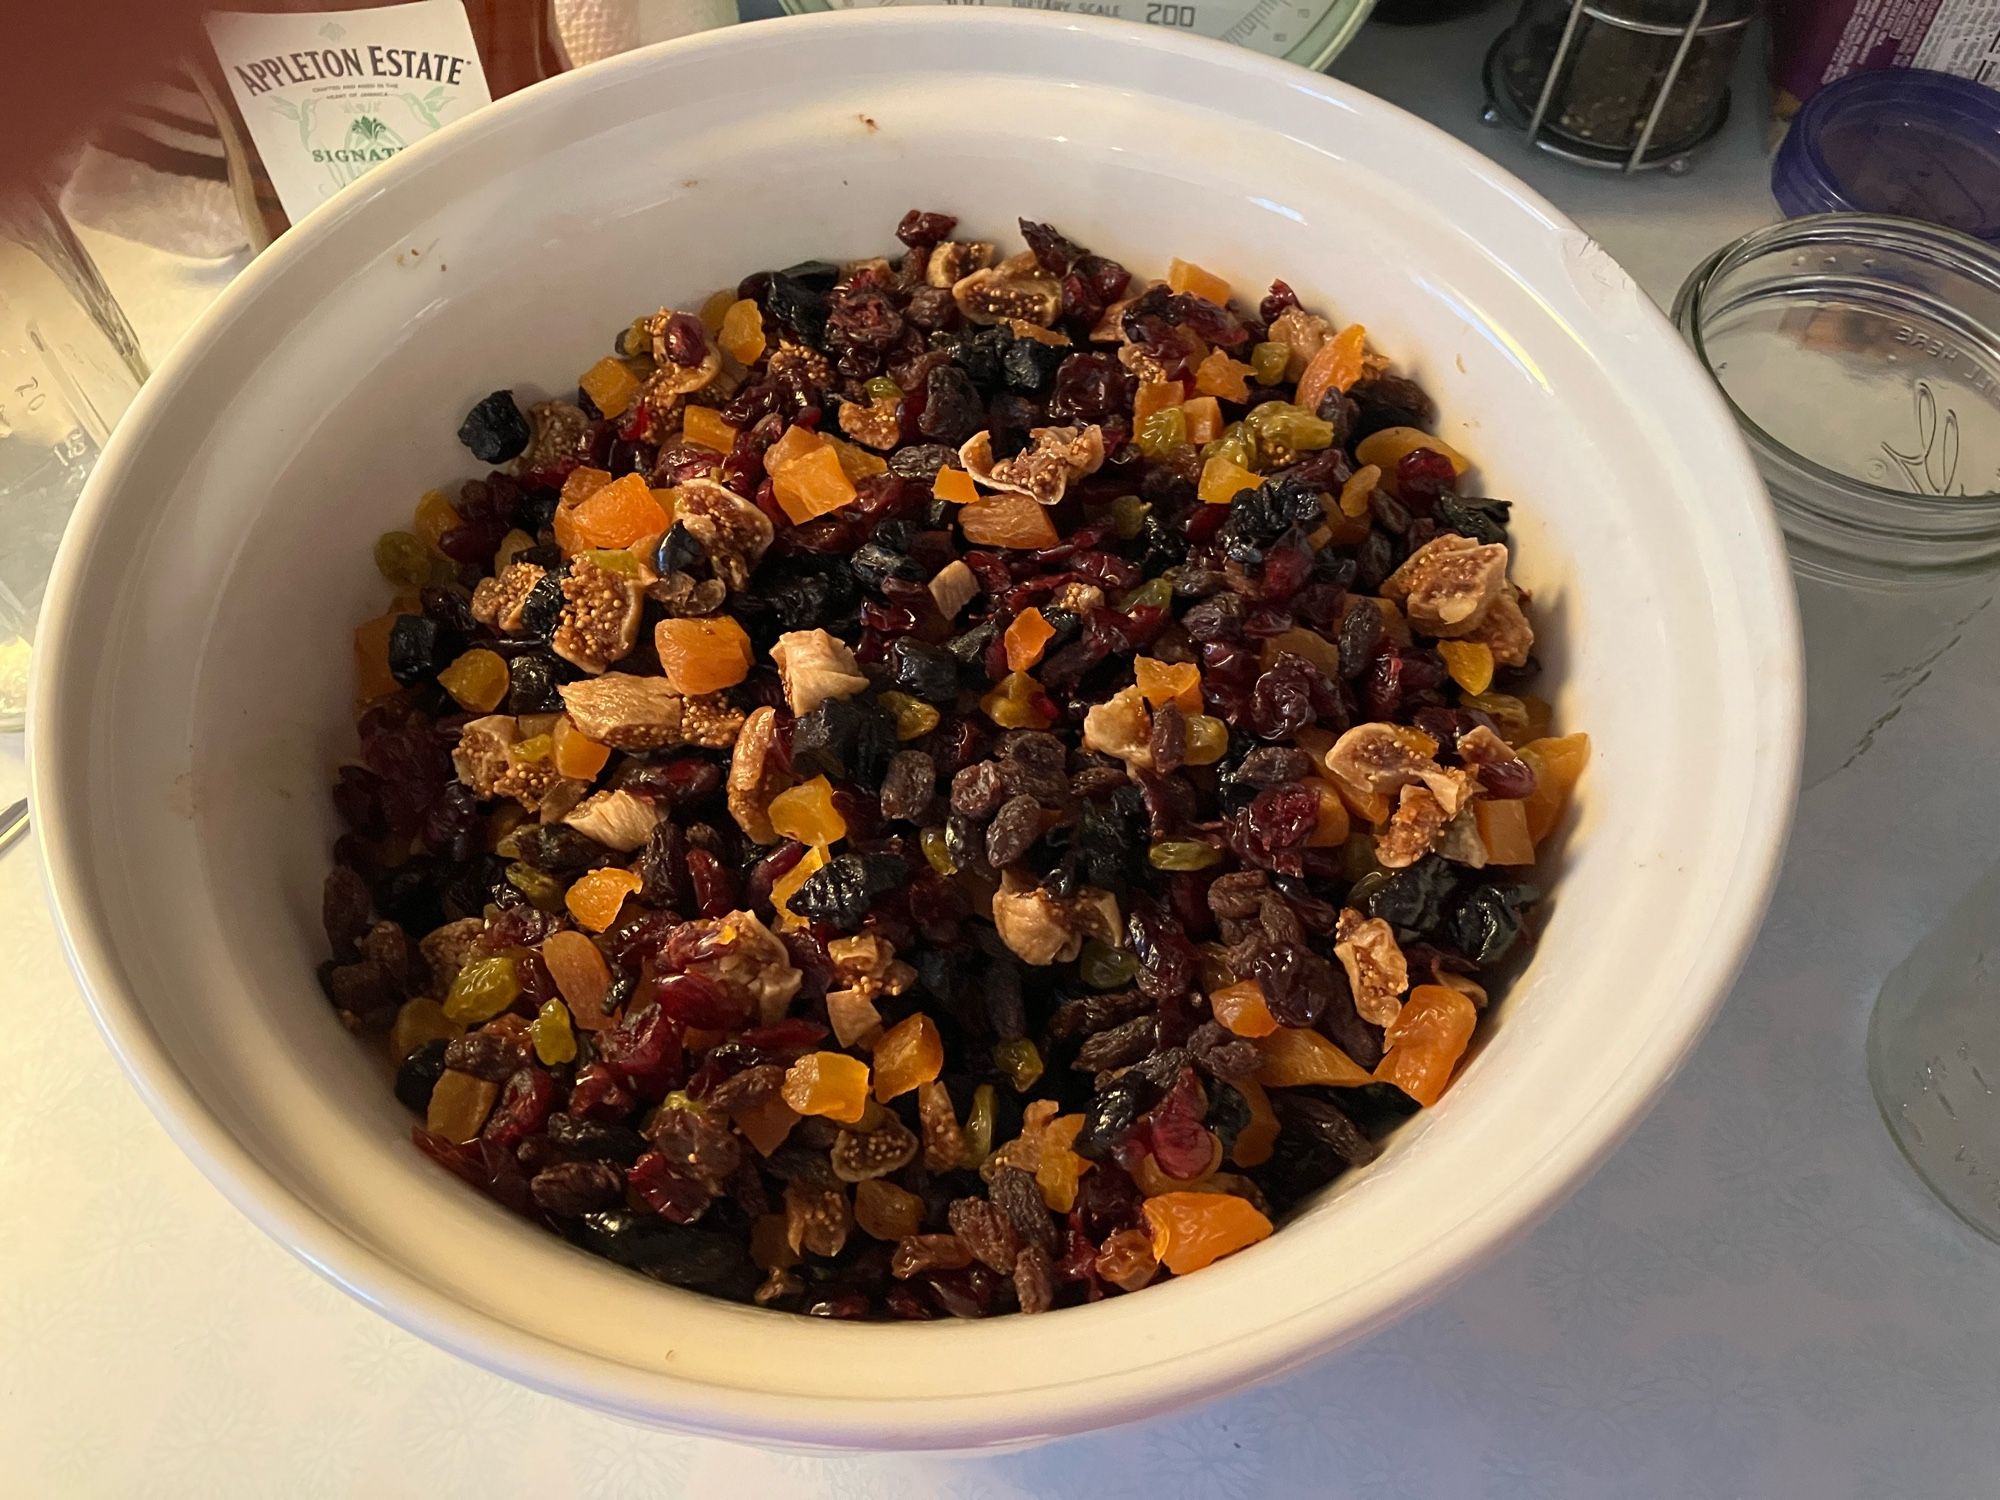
x=1276 y=302
x=918 y=227
x=523 y=1107
x=644 y=1049
x=695 y=1001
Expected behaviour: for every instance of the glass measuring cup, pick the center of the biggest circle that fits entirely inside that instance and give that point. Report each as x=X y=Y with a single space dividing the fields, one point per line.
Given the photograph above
x=69 y=366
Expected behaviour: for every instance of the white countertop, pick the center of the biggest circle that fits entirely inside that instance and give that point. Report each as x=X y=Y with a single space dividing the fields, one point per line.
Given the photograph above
x=1754 y=1297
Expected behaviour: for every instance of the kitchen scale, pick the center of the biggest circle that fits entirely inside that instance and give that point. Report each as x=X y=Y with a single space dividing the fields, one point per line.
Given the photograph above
x=1309 y=32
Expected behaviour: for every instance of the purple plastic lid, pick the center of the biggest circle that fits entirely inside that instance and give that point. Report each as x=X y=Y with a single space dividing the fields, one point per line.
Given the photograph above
x=1903 y=141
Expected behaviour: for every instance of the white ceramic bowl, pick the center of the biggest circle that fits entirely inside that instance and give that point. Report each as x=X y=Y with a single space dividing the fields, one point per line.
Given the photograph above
x=192 y=699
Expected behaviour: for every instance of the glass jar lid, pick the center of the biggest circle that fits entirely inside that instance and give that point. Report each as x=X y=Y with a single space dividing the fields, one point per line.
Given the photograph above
x=1896 y=141
x=1862 y=357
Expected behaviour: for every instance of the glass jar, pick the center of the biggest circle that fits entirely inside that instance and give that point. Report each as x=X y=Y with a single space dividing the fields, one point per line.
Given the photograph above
x=1862 y=357
x=1628 y=84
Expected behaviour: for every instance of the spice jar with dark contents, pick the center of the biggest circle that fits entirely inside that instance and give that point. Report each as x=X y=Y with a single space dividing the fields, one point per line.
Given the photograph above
x=955 y=783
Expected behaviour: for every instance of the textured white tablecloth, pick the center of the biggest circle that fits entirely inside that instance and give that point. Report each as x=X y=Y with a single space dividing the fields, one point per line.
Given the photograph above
x=1753 y=1297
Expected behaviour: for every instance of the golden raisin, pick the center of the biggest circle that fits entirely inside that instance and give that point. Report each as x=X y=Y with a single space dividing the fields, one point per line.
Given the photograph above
x=1060 y=1167
x=459 y=1105
x=742 y=332
x=435 y=516
x=1018 y=702
x=555 y=1041
x=595 y=898
x=831 y=1084
x=1193 y=1230
x=886 y=1211
x=582 y=975
x=1241 y=1008
x=1469 y=662
x=1295 y=1057
x=1126 y=1259
x=1336 y=367
x=702 y=656
x=806 y=813
x=909 y=1055
x=911 y=716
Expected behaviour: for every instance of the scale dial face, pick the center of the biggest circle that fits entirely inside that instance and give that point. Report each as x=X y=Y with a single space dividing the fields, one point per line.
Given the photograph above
x=1305 y=31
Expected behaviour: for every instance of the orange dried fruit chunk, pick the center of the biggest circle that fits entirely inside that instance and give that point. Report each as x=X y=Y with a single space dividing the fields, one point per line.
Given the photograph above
x=1294 y=1057
x=703 y=426
x=792 y=445
x=909 y=1055
x=1503 y=829
x=830 y=1084
x=787 y=886
x=765 y=1122
x=1331 y=828
x=1387 y=448
x=813 y=485
x=1219 y=375
x=577 y=755
x=582 y=976
x=806 y=812
x=1336 y=367
x=595 y=898
x=856 y=462
x=1558 y=767
x=1163 y=682
x=418 y=1021
x=1028 y=635
x=1425 y=1042
x=702 y=656
x=955 y=487
x=1204 y=419
x=1241 y=1008
x=1186 y=276
x=1222 y=479
x=621 y=514
x=1469 y=662
x=459 y=1105
x=1355 y=492
x=716 y=308
x=1007 y=521
x=1154 y=396
x=372 y=677
x=611 y=385
x=1060 y=1167
x=476 y=680
x=742 y=332
x=886 y=1211
x=1193 y=1230
x=1254 y=1140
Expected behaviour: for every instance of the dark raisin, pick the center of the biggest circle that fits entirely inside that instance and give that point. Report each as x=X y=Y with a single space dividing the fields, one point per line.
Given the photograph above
x=952 y=408
x=845 y=739
x=1482 y=520
x=570 y=1188
x=978 y=790
x=418 y=1074
x=1014 y=830
x=491 y=1055
x=1169 y=741
x=1034 y=1280
x=985 y=1232
x=557 y=849
x=1389 y=401
x=344 y=905
x=1014 y=1193
x=1326 y=1123
x=595 y=1139
x=1120 y=1046
x=494 y=429
x=1273 y=765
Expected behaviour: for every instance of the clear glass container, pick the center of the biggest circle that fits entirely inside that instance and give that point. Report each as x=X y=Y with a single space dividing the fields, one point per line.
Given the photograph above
x=1628 y=84
x=69 y=366
x=1862 y=357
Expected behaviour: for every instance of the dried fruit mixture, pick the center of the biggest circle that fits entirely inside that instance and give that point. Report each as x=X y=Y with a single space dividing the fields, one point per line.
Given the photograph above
x=943 y=785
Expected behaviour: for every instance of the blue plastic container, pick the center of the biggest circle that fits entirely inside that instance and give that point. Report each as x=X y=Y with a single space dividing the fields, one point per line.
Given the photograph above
x=1901 y=141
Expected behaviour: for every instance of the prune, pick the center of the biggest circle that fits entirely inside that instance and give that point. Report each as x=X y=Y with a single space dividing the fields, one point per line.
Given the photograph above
x=415 y=649
x=951 y=411
x=1029 y=365
x=796 y=306
x=533 y=685
x=672 y=1253
x=923 y=670
x=1415 y=899
x=418 y=1075
x=1482 y=520
x=840 y=893
x=875 y=564
x=845 y=739
x=542 y=610
x=494 y=429
x=1487 y=923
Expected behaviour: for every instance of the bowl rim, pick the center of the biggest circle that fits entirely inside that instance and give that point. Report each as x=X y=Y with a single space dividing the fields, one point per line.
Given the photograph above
x=1056 y=1406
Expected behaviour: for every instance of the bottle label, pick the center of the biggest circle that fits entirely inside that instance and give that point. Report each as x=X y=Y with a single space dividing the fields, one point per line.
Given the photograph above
x=326 y=95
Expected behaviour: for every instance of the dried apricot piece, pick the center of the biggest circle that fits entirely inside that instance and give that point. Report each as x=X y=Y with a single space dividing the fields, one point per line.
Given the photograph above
x=741 y=333
x=1186 y=276
x=611 y=385
x=703 y=426
x=1193 y=1230
x=1469 y=662
x=1387 y=448
x=856 y=462
x=830 y=1084
x=1254 y=1140
x=1223 y=479
x=1204 y=419
x=1027 y=636
x=1241 y=1008
x=787 y=886
x=1154 y=396
x=1336 y=367
x=1219 y=375
x=909 y=1055
x=1161 y=683
x=1558 y=765
x=477 y=680
x=1294 y=1057
x=1007 y=521
x=1425 y=1042
x=765 y=1122
x=582 y=976
x=955 y=487
x=621 y=514
x=793 y=444
x=812 y=485
x=702 y=656
x=597 y=894
x=576 y=754
x=372 y=677
x=1503 y=829
x=806 y=812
